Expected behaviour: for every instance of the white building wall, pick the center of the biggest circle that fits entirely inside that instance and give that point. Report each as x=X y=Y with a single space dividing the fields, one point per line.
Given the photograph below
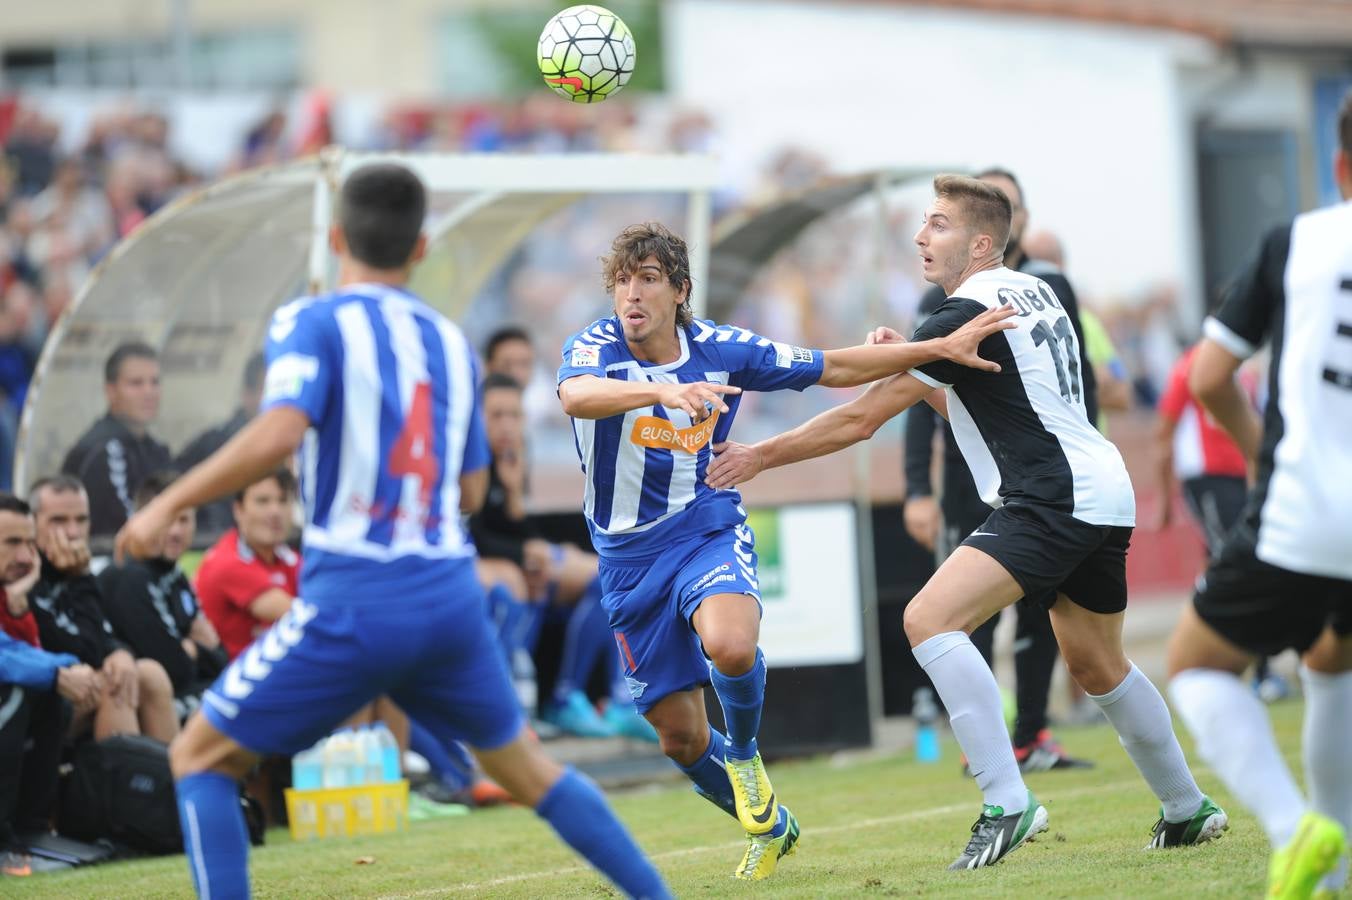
x=1089 y=116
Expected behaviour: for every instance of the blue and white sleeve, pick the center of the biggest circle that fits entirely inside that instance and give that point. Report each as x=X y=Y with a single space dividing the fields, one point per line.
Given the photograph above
x=760 y=364
x=301 y=360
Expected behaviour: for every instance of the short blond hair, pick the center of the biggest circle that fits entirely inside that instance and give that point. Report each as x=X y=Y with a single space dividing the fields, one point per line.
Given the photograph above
x=985 y=208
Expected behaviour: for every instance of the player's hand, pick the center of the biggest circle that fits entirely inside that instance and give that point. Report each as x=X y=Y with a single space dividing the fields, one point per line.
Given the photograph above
x=921 y=517
x=1165 y=517
x=511 y=468
x=142 y=537
x=119 y=669
x=884 y=335
x=960 y=346
x=696 y=399
x=537 y=562
x=79 y=684
x=16 y=592
x=733 y=464
x=66 y=555
x=204 y=633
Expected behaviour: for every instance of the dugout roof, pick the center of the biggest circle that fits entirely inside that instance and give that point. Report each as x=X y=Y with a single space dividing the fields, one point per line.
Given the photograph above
x=200 y=279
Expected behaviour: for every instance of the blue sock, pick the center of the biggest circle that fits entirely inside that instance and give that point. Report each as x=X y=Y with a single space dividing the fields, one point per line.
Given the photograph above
x=709 y=776
x=587 y=636
x=213 y=835
x=579 y=813
x=742 y=697
x=711 y=780
x=450 y=764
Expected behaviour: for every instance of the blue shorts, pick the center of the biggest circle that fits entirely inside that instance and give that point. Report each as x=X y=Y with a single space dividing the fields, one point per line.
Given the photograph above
x=650 y=603
x=436 y=657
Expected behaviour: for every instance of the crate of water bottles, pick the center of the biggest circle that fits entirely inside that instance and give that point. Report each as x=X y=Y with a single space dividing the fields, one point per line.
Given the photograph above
x=347 y=784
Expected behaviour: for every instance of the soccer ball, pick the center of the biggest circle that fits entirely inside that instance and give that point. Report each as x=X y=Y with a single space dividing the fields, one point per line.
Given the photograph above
x=586 y=53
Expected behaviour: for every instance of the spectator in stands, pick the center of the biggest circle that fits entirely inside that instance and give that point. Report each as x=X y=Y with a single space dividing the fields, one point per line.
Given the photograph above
x=561 y=577
x=32 y=685
x=137 y=697
x=509 y=351
x=154 y=610
x=117 y=452
x=216 y=518
x=249 y=577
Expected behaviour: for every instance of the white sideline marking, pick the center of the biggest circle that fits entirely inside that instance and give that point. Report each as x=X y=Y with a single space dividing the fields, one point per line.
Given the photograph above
x=727 y=845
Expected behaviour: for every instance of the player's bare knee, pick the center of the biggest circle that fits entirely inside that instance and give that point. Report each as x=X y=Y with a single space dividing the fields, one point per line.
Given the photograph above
x=731 y=654
x=920 y=621
x=154 y=681
x=1096 y=674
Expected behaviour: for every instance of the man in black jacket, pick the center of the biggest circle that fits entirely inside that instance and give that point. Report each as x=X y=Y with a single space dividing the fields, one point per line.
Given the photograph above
x=137 y=697
x=941 y=525
x=216 y=518
x=117 y=452
x=153 y=609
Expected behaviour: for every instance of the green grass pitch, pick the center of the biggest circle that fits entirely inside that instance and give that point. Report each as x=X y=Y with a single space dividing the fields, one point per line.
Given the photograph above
x=878 y=826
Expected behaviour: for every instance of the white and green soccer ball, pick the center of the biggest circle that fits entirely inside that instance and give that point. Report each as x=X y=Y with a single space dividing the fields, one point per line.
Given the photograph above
x=586 y=53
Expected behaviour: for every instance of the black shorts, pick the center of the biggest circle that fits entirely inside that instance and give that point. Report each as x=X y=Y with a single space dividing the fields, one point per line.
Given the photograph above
x=1264 y=608
x=1216 y=501
x=1050 y=552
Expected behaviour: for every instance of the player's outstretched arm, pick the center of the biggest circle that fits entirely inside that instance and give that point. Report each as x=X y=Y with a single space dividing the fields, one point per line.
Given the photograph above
x=1213 y=383
x=833 y=430
x=590 y=397
x=257 y=449
x=854 y=366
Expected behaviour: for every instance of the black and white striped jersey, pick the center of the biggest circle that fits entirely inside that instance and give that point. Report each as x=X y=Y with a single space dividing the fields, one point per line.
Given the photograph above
x=1298 y=294
x=1023 y=431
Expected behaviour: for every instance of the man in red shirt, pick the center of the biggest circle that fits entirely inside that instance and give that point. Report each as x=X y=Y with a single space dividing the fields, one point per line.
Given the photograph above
x=248 y=579
x=1192 y=448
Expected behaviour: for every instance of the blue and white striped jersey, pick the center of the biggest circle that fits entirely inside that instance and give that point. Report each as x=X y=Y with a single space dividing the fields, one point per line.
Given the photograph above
x=390 y=388
x=645 y=469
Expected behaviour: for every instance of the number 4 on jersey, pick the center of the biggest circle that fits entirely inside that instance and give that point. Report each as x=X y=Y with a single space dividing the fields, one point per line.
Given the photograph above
x=413 y=452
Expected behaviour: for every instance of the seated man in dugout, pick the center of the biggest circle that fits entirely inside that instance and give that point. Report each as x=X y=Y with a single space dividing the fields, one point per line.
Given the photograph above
x=136 y=695
x=249 y=577
x=154 y=610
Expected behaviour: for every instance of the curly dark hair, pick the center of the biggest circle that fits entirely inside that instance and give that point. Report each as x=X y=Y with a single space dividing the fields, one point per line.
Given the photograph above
x=638 y=242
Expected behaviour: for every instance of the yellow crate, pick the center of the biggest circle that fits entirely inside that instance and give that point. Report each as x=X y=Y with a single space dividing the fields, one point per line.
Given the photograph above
x=331 y=812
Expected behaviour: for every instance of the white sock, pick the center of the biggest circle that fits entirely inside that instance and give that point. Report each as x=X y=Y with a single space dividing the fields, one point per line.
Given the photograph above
x=1234 y=736
x=972 y=698
x=1328 y=761
x=1146 y=731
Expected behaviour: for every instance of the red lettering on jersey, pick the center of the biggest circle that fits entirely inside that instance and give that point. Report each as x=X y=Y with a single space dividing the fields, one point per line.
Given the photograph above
x=413 y=453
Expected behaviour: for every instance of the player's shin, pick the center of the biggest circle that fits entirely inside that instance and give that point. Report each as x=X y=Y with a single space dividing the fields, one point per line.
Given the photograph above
x=742 y=697
x=1141 y=719
x=1328 y=764
x=575 y=808
x=214 y=836
x=710 y=777
x=1233 y=735
x=976 y=715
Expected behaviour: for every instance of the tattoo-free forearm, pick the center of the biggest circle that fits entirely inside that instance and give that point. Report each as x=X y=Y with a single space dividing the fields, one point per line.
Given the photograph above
x=853 y=366
x=821 y=435
x=591 y=397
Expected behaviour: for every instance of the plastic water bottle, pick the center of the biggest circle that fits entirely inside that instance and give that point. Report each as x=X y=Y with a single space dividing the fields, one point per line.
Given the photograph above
x=926 y=713
x=356 y=760
x=307 y=768
x=338 y=760
x=372 y=763
x=389 y=753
